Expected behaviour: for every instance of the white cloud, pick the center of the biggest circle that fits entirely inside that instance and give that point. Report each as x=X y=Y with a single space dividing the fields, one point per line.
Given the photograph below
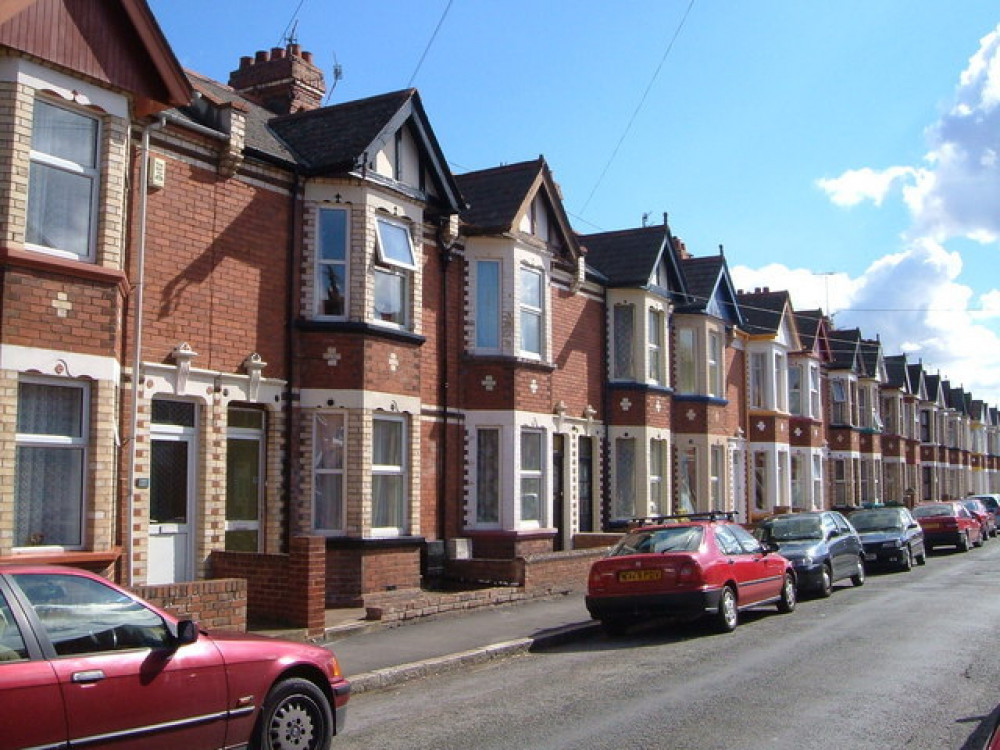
x=857 y=185
x=914 y=302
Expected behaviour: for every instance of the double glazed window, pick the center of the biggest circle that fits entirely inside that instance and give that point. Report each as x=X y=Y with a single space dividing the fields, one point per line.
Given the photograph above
x=328 y=472
x=331 y=262
x=389 y=492
x=654 y=343
x=64 y=181
x=394 y=273
x=488 y=475
x=532 y=296
x=488 y=304
x=624 y=329
x=52 y=429
x=532 y=476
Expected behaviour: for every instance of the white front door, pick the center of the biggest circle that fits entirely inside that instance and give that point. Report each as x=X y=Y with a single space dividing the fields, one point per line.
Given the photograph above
x=171 y=513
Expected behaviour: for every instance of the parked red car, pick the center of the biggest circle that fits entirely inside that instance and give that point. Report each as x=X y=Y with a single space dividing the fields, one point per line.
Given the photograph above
x=84 y=663
x=948 y=524
x=978 y=509
x=687 y=567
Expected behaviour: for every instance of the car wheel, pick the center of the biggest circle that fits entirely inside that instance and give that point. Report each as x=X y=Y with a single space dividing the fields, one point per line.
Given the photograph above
x=922 y=557
x=858 y=579
x=727 y=615
x=615 y=627
x=979 y=543
x=907 y=564
x=296 y=716
x=963 y=542
x=826 y=581
x=787 y=602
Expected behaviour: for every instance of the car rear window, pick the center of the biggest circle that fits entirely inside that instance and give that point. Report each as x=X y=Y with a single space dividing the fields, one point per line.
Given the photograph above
x=669 y=539
x=792 y=529
x=877 y=520
x=989 y=502
x=927 y=511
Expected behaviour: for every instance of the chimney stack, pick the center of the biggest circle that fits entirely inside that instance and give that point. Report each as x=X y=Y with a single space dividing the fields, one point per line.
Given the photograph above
x=283 y=80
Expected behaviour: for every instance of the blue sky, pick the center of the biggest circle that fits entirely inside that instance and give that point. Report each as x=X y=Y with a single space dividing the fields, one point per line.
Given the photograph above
x=845 y=151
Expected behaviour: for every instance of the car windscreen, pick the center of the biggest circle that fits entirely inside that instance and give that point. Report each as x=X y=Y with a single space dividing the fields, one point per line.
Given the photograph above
x=990 y=503
x=792 y=529
x=669 y=539
x=877 y=520
x=928 y=511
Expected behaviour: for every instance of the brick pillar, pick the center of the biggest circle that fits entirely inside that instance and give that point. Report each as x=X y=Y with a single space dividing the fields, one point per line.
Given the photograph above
x=307 y=579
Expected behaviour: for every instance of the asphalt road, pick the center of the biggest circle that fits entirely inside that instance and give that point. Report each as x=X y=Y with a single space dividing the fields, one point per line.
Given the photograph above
x=909 y=660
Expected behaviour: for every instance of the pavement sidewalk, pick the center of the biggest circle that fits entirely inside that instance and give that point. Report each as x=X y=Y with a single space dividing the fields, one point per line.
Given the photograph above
x=374 y=658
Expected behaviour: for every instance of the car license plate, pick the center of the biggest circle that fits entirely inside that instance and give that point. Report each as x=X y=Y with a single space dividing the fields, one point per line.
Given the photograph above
x=633 y=576
x=869 y=556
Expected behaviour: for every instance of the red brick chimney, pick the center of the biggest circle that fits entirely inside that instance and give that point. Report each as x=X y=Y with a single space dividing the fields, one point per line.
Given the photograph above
x=284 y=80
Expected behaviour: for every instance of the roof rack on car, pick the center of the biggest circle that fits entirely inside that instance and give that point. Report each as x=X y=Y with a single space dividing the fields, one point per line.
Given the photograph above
x=712 y=515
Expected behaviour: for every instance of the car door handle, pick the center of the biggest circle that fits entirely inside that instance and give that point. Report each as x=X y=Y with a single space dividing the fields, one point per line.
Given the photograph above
x=90 y=675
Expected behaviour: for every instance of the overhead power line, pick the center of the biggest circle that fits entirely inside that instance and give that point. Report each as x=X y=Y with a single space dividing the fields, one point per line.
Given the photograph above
x=638 y=107
x=429 y=43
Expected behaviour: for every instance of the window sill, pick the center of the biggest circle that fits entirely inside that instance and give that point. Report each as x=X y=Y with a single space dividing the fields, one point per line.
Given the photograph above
x=40 y=261
x=364 y=329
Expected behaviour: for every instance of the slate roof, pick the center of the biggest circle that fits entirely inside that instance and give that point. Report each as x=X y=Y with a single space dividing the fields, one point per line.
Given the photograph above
x=810 y=323
x=897 y=373
x=494 y=197
x=258 y=136
x=870 y=350
x=844 y=345
x=628 y=257
x=763 y=311
x=707 y=279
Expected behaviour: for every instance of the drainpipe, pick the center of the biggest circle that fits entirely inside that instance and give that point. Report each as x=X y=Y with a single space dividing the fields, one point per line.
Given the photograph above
x=445 y=249
x=137 y=339
x=291 y=360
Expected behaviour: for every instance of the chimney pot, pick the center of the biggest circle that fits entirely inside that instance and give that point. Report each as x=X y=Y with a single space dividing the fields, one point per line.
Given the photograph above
x=295 y=49
x=308 y=57
x=261 y=56
x=277 y=53
x=245 y=62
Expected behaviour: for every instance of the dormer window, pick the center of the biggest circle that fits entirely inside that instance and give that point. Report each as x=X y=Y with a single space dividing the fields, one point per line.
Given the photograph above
x=64 y=181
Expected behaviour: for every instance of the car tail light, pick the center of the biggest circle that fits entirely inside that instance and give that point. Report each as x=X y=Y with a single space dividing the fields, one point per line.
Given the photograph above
x=689 y=572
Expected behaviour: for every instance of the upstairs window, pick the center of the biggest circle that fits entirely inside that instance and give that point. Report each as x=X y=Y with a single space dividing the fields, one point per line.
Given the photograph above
x=686 y=365
x=795 y=389
x=815 y=407
x=331 y=262
x=531 y=312
x=654 y=344
x=624 y=331
x=841 y=409
x=394 y=277
x=780 y=380
x=64 y=181
x=488 y=304
x=758 y=380
x=716 y=386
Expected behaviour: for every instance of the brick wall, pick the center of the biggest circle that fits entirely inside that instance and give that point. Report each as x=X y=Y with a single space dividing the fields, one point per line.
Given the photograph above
x=355 y=571
x=218 y=604
x=281 y=589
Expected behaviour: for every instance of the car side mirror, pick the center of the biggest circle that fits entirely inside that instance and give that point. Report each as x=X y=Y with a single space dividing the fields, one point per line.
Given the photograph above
x=769 y=547
x=187 y=632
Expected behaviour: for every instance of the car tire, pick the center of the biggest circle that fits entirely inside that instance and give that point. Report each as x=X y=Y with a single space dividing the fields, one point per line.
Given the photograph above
x=858 y=579
x=727 y=616
x=922 y=557
x=787 y=601
x=907 y=564
x=296 y=716
x=826 y=582
x=980 y=542
x=963 y=542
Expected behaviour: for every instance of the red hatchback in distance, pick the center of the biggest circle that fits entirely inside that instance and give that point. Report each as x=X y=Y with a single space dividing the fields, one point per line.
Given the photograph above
x=948 y=524
x=687 y=567
x=84 y=663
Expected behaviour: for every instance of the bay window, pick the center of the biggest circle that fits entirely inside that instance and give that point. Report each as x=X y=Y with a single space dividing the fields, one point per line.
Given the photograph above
x=488 y=475
x=488 y=304
x=657 y=479
x=64 y=181
x=625 y=477
x=758 y=380
x=51 y=460
x=328 y=472
x=795 y=389
x=686 y=363
x=687 y=479
x=654 y=343
x=332 y=242
x=532 y=476
x=389 y=476
x=716 y=386
x=531 y=306
x=394 y=277
x=624 y=332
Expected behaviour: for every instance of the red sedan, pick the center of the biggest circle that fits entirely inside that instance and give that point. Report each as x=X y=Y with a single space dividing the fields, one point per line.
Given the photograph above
x=687 y=567
x=948 y=524
x=85 y=663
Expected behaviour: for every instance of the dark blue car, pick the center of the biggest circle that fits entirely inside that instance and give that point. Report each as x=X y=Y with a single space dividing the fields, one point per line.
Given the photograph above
x=822 y=545
x=891 y=537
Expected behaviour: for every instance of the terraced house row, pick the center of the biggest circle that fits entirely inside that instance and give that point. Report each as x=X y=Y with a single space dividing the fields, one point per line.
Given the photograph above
x=238 y=327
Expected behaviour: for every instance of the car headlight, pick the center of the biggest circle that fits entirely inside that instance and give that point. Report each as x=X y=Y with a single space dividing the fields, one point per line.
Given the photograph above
x=805 y=561
x=894 y=544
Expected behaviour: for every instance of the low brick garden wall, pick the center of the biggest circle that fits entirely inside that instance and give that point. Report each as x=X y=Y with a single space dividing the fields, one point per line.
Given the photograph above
x=218 y=604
